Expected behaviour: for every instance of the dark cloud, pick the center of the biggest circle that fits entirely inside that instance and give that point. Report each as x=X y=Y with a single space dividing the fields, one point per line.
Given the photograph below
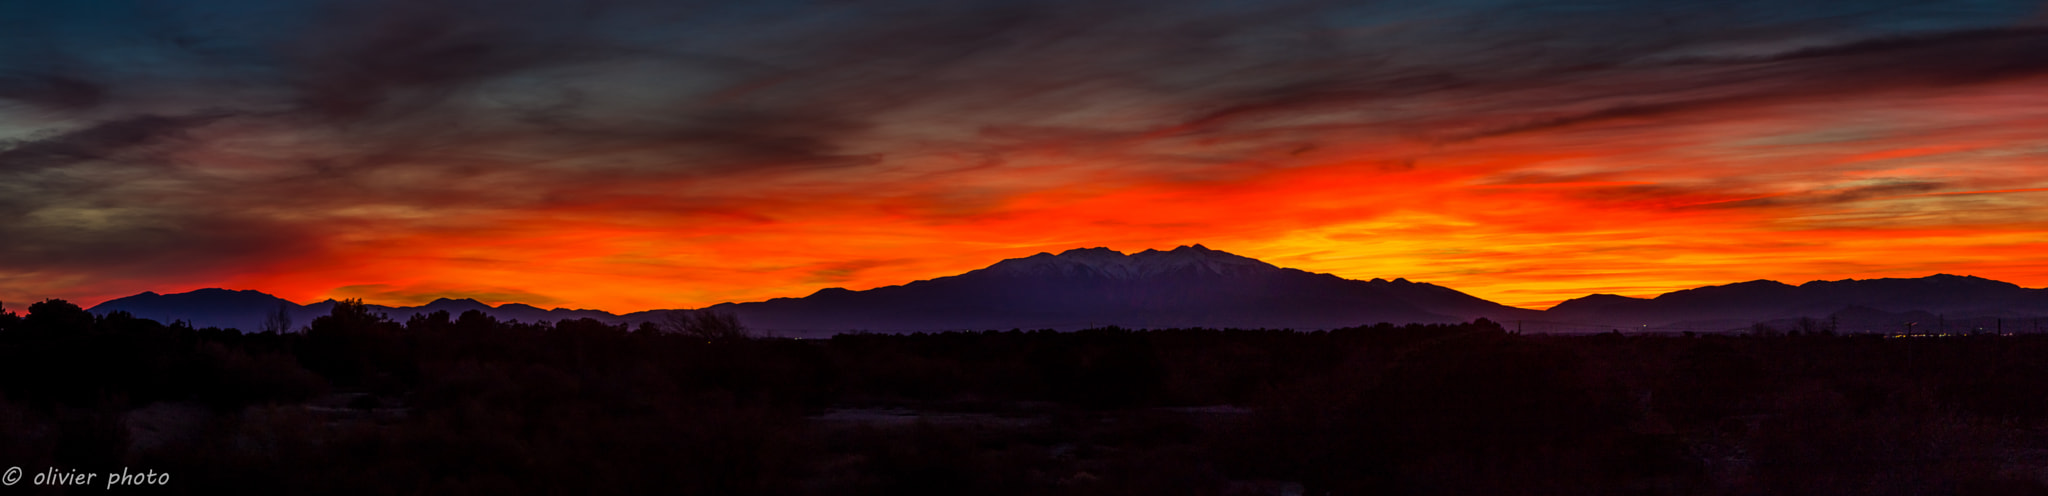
x=101 y=141
x=1970 y=40
x=1835 y=71
x=1833 y=196
x=134 y=242
x=108 y=198
x=396 y=57
x=52 y=91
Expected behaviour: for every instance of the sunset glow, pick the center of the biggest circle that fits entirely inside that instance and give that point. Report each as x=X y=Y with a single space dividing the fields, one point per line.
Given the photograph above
x=634 y=157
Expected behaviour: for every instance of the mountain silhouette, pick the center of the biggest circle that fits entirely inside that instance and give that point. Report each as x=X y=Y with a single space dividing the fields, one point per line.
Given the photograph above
x=1189 y=286
x=247 y=309
x=210 y=307
x=1194 y=286
x=1871 y=303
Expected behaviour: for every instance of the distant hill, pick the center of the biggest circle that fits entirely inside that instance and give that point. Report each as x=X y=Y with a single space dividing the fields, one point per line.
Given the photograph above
x=1874 y=304
x=211 y=307
x=1194 y=286
x=247 y=310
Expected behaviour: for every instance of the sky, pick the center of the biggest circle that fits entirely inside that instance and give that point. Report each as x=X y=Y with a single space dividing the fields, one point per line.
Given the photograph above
x=631 y=155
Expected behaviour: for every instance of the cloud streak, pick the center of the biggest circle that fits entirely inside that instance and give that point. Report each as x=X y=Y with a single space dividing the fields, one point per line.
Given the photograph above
x=634 y=154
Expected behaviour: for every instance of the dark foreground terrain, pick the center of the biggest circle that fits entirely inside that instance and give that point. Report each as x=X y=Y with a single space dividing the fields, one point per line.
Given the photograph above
x=358 y=404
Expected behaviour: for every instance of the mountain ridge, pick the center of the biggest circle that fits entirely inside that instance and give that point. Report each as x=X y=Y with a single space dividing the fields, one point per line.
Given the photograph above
x=1195 y=286
x=1189 y=286
x=1741 y=304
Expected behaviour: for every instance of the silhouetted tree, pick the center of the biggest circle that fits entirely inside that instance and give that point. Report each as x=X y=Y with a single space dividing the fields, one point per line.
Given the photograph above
x=705 y=324
x=58 y=316
x=7 y=318
x=355 y=347
x=278 y=321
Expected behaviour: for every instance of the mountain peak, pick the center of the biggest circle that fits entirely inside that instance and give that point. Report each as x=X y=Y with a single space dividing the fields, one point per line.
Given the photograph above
x=1184 y=286
x=1962 y=279
x=1593 y=302
x=1102 y=262
x=1194 y=248
x=202 y=295
x=834 y=291
x=1091 y=252
x=223 y=291
x=1198 y=258
x=457 y=305
x=1945 y=280
x=213 y=307
x=1760 y=283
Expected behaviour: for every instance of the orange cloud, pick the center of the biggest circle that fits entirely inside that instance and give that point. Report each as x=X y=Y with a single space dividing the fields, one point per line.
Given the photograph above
x=571 y=173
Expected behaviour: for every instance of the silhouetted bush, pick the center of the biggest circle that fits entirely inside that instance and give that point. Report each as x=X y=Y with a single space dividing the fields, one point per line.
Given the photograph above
x=359 y=403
